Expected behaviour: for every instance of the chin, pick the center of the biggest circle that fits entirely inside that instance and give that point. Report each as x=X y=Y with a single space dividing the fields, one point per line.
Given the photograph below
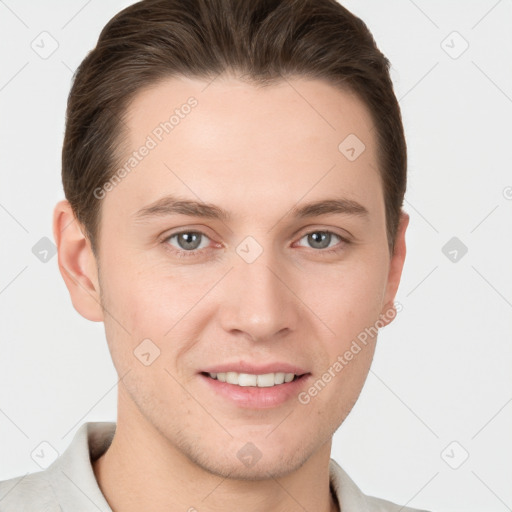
x=244 y=461
x=275 y=467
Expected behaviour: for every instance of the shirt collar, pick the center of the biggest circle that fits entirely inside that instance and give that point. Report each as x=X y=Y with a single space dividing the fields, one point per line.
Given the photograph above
x=71 y=475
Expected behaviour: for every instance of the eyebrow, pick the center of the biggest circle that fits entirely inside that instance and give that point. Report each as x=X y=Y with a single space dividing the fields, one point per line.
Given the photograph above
x=172 y=205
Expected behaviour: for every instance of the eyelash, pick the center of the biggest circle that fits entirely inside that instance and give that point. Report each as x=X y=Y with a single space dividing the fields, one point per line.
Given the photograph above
x=196 y=252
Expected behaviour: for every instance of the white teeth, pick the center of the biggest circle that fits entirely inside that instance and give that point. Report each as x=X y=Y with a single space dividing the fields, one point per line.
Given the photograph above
x=279 y=377
x=245 y=379
x=232 y=378
x=265 y=380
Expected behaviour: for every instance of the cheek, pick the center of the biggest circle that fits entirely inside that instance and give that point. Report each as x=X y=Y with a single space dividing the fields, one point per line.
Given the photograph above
x=351 y=306
x=153 y=301
x=143 y=295
x=348 y=299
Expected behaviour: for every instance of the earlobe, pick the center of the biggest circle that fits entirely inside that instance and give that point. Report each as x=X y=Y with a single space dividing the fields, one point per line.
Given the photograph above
x=77 y=263
x=395 y=270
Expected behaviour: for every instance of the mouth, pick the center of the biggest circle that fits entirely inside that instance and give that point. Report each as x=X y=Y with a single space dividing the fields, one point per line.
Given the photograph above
x=264 y=380
x=251 y=385
x=254 y=390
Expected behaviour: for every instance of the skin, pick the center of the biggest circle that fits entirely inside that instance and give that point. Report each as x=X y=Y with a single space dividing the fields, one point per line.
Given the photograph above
x=257 y=153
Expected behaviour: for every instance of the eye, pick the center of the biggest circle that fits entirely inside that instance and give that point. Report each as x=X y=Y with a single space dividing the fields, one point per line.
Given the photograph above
x=188 y=241
x=322 y=239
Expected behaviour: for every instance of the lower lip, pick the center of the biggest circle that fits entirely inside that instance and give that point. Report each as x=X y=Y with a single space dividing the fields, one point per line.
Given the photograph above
x=252 y=397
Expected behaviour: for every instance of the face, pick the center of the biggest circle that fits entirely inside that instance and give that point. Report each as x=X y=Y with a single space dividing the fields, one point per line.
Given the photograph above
x=245 y=244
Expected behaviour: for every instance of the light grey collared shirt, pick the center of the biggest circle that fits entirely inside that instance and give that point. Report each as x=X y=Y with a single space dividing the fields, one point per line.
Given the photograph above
x=69 y=484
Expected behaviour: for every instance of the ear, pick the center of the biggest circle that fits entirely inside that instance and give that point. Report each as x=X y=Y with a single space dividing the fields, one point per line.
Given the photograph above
x=77 y=263
x=396 y=265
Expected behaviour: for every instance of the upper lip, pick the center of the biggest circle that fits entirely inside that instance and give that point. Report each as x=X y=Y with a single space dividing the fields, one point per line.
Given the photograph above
x=255 y=369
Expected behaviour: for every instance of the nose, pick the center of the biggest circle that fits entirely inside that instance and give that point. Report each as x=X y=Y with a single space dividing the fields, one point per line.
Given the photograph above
x=258 y=301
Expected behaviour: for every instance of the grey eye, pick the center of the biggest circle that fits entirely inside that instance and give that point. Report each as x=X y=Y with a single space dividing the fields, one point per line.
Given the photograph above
x=321 y=239
x=188 y=240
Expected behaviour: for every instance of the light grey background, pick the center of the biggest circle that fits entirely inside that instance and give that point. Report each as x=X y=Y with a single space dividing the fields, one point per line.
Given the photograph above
x=442 y=370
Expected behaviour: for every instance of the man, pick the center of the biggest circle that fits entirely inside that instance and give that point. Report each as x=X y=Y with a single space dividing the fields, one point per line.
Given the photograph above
x=234 y=173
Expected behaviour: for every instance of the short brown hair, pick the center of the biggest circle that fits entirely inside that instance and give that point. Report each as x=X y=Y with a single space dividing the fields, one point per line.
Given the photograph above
x=263 y=40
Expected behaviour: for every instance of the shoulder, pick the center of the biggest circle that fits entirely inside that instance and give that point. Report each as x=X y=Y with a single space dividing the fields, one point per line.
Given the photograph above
x=352 y=499
x=26 y=493
x=380 y=505
x=68 y=482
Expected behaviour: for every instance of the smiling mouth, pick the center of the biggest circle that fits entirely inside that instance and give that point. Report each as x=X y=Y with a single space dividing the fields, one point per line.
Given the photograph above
x=265 y=380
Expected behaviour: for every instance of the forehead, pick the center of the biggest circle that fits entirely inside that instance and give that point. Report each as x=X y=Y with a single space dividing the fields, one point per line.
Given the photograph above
x=279 y=142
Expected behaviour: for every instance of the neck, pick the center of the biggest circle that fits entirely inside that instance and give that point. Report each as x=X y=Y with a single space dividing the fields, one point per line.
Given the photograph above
x=142 y=469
